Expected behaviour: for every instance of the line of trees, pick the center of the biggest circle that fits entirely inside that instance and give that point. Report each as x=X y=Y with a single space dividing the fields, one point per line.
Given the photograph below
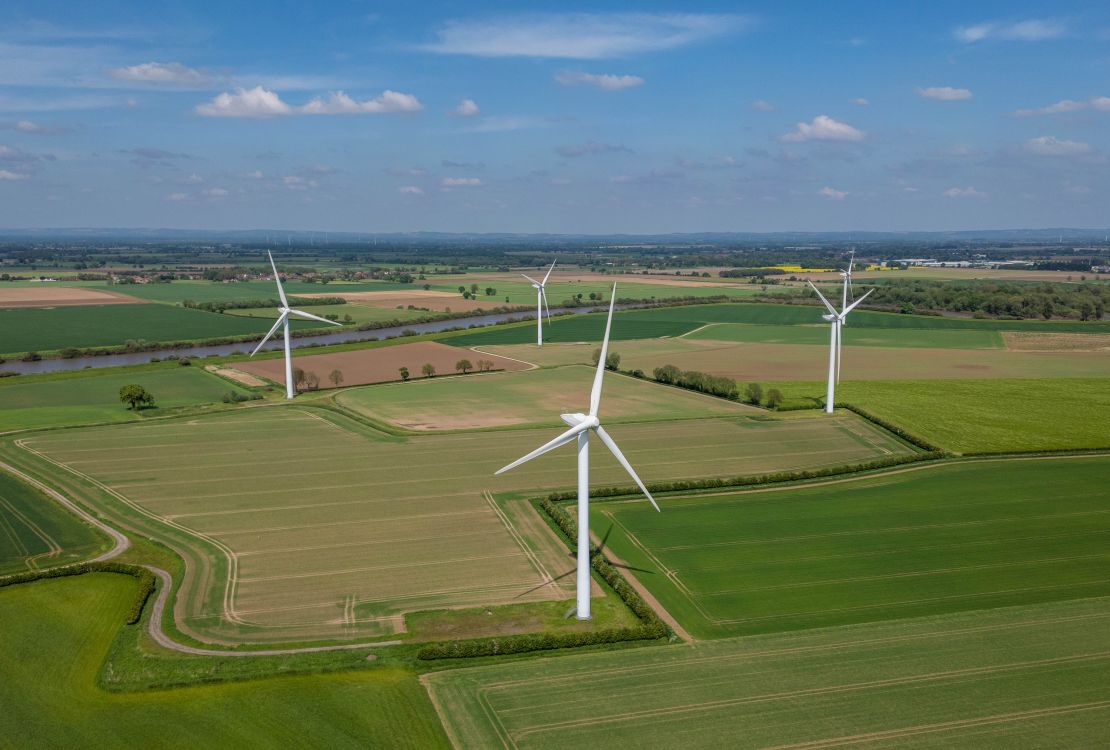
x=996 y=300
x=697 y=381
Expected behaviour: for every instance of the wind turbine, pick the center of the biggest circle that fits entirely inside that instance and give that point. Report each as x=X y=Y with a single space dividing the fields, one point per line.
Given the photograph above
x=836 y=320
x=283 y=320
x=541 y=302
x=846 y=293
x=580 y=427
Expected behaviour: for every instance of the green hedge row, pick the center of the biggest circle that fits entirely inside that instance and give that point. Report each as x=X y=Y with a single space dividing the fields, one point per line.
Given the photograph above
x=650 y=627
x=906 y=435
x=757 y=479
x=145 y=578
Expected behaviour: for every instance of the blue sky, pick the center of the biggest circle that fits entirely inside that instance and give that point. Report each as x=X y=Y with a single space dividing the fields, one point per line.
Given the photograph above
x=571 y=117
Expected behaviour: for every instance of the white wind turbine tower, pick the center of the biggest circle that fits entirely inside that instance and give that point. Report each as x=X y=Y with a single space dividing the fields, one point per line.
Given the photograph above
x=580 y=427
x=846 y=294
x=541 y=302
x=836 y=320
x=283 y=320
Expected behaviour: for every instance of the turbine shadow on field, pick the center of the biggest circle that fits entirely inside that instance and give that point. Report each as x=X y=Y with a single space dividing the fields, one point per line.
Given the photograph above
x=599 y=550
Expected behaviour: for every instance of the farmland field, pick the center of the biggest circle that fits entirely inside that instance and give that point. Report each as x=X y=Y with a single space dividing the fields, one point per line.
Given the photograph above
x=58 y=632
x=983 y=415
x=58 y=296
x=42 y=329
x=36 y=532
x=675 y=321
x=535 y=397
x=1036 y=676
x=376 y=365
x=819 y=334
x=301 y=524
x=359 y=313
x=910 y=544
x=85 y=398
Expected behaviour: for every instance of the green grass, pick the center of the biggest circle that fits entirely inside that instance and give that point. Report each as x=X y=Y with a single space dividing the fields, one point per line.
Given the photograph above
x=359 y=313
x=1023 y=677
x=212 y=291
x=981 y=415
x=675 y=321
x=56 y=636
x=534 y=397
x=83 y=398
x=36 y=532
x=45 y=329
x=819 y=335
x=922 y=542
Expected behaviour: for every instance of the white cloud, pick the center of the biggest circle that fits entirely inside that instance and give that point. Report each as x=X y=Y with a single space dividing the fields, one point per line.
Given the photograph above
x=177 y=197
x=1033 y=30
x=296 y=182
x=606 y=81
x=590 y=148
x=193 y=179
x=26 y=126
x=1047 y=145
x=255 y=175
x=338 y=103
x=944 y=93
x=454 y=182
x=8 y=176
x=860 y=102
x=410 y=190
x=254 y=103
x=1067 y=105
x=836 y=195
x=823 y=128
x=763 y=106
x=215 y=192
x=260 y=103
x=174 y=74
x=466 y=108
x=967 y=192
x=580 y=36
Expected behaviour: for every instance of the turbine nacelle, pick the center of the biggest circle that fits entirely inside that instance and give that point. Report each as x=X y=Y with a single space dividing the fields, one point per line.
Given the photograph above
x=577 y=419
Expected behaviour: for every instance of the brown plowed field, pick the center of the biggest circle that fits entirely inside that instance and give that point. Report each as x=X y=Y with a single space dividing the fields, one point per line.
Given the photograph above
x=377 y=365
x=60 y=296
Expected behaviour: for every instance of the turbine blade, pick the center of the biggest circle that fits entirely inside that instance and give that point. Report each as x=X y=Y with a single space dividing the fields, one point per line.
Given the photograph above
x=310 y=316
x=853 y=305
x=548 y=273
x=546 y=306
x=551 y=445
x=530 y=279
x=277 y=324
x=595 y=392
x=277 y=280
x=612 y=446
x=831 y=308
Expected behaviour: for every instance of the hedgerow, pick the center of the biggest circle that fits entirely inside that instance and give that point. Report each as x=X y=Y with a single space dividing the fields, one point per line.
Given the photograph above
x=901 y=432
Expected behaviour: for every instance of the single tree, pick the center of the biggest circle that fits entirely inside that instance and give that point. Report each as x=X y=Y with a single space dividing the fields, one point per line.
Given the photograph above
x=490 y=291
x=595 y=356
x=774 y=398
x=136 y=397
x=462 y=288
x=404 y=374
x=464 y=366
x=299 y=376
x=336 y=377
x=312 y=380
x=613 y=362
x=474 y=289
x=754 y=393
x=429 y=370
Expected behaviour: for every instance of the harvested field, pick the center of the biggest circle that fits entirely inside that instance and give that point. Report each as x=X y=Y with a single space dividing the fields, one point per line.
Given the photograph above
x=298 y=524
x=535 y=397
x=238 y=376
x=1036 y=676
x=435 y=301
x=59 y=296
x=914 y=543
x=379 y=365
x=1056 y=342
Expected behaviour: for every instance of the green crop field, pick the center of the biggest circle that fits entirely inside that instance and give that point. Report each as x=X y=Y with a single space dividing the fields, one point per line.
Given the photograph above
x=36 y=532
x=298 y=523
x=535 y=397
x=83 y=398
x=58 y=632
x=1034 y=676
x=982 y=415
x=25 y=329
x=359 y=313
x=675 y=321
x=214 y=291
x=819 y=334
x=909 y=544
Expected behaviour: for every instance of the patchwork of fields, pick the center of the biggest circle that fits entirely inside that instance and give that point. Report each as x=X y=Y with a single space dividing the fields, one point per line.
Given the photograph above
x=298 y=524
x=907 y=544
x=1035 y=676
